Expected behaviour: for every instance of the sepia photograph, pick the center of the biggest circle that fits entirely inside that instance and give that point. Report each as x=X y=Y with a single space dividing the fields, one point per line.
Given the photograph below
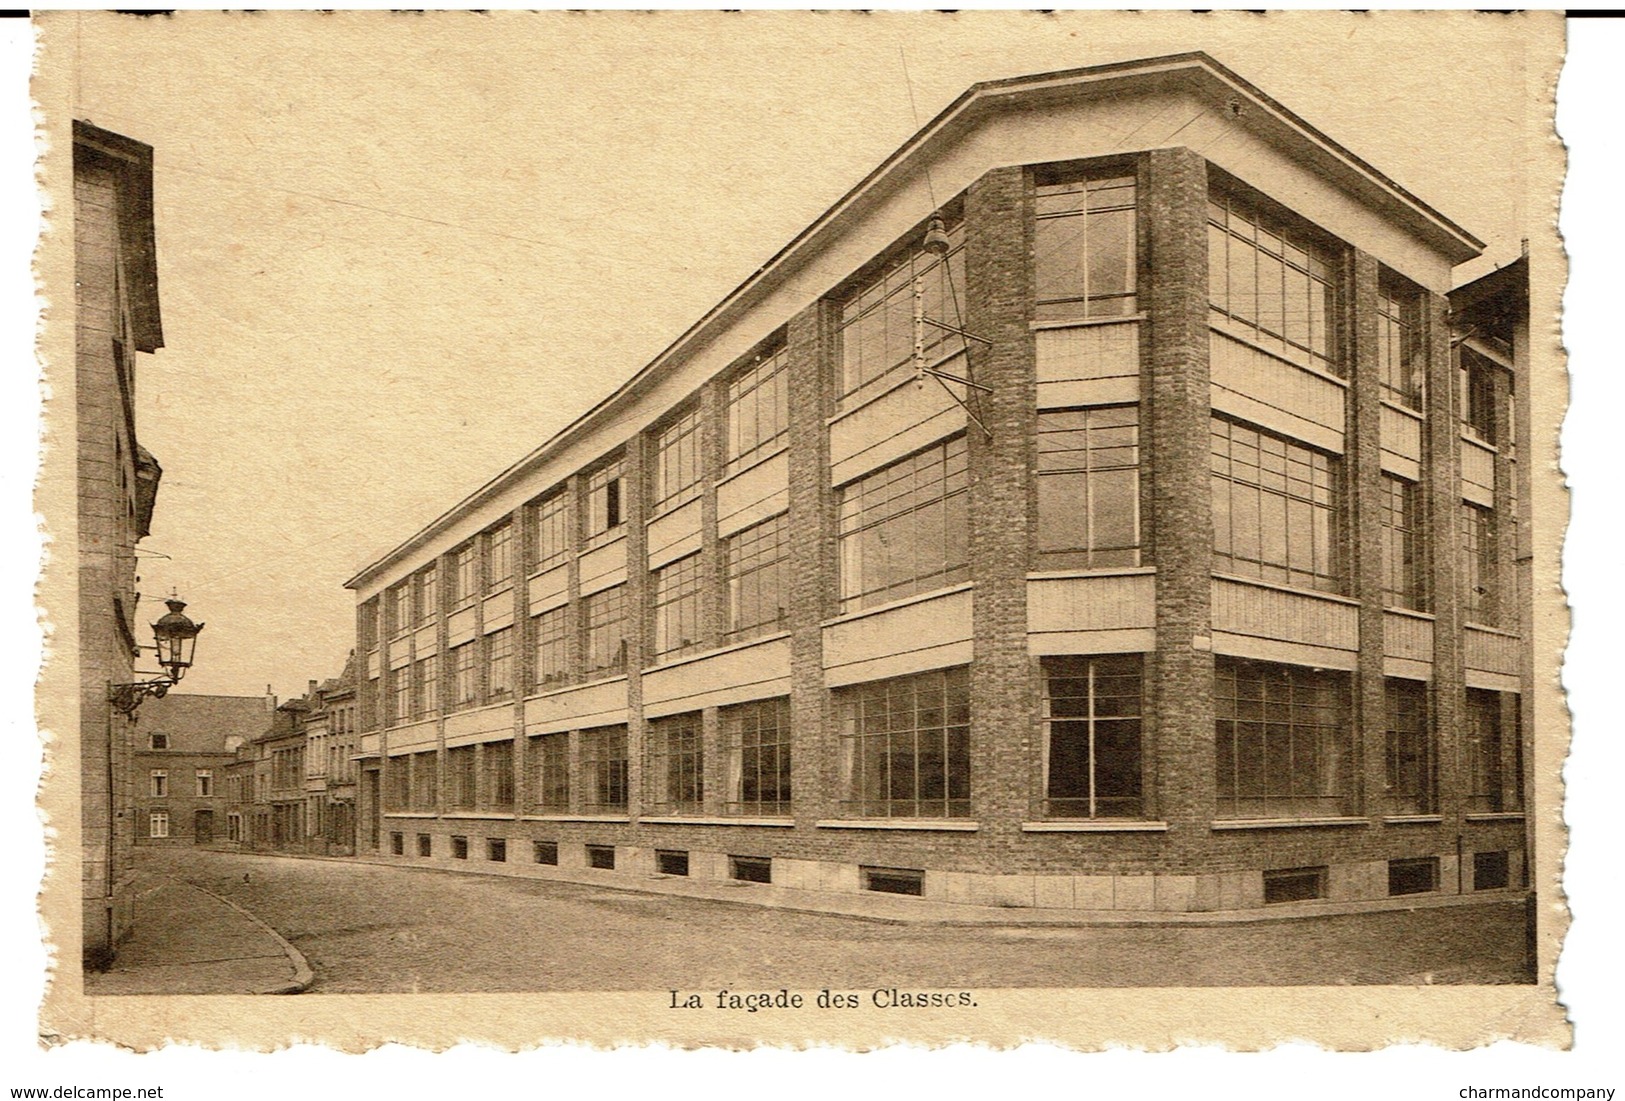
x=788 y=527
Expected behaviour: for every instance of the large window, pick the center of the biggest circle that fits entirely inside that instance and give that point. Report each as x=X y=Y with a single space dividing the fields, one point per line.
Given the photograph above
x=603 y=769
x=1404 y=575
x=428 y=594
x=460 y=792
x=1477 y=397
x=1492 y=786
x=551 y=517
x=1271 y=284
x=604 y=503
x=465 y=574
x=903 y=528
x=499 y=664
x=1089 y=487
x=758 y=409
x=905 y=746
x=499 y=555
x=398 y=783
x=604 y=616
x=675 y=474
x=425 y=770
x=464 y=675
x=877 y=321
x=674 y=765
x=677 y=596
x=1283 y=741
x=757 y=582
x=1401 y=358
x=1091 y=756
x=1410 y=783
x=1277 y=509
x=158 y=824
x=1084 y=244
x=552 y=634
x=1479 y=575
x=547 y=760
x=496 y=780
x=400 y=694
x=400 y=607
x=427 y=677
x=757 y=737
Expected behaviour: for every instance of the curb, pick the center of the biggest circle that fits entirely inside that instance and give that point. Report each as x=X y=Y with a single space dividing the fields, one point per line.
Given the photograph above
x=303 y=976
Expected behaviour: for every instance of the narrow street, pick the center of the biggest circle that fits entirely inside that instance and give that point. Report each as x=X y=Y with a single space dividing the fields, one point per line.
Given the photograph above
x=367 y=928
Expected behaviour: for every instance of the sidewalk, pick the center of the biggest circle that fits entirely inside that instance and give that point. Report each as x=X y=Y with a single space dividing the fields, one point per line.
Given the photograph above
x=187 y=940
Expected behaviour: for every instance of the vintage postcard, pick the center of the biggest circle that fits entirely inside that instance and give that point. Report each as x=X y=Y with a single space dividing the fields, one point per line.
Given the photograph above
x=733 y=529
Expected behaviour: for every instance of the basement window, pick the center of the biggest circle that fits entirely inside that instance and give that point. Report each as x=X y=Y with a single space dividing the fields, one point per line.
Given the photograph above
x=1294 y=884
x=894 y=881
x=671 y=861
x=496 y=848
x=459 y=848
x=425 y=845
x=546 y=852
x=1491 y=871
x=397 y=844
x=751 y=869
x=1413 y=876
x=601 y=856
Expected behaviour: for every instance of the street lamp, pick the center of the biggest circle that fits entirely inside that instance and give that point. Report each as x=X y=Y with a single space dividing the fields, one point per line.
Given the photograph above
x=176 y=638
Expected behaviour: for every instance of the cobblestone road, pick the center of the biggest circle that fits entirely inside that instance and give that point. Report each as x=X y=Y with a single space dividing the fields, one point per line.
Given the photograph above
x=367 y=928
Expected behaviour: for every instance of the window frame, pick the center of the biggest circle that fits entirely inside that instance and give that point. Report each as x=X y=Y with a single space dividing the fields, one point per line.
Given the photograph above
x=548 y=643
x=1409 y=748
x=872 y=512
x=158 y=783
x=762 y=383
x=608 y=622
x=1328 y=568
x=1309 y=694
x=605 y=769
x=883 y=296
x=498 y=655
x=1404 y=550
x=499 y=547
x=754 y=566
x=676 y=460
x=949 y=691
x=1085 y=554
x=744 y=730
x=1401 y=354
x=551 y=528
x=1098 y=727
x=158 y=824
x=600 y=517
x=1050 y=214
x=674 y=764
x=678 y=606
x=547 y=763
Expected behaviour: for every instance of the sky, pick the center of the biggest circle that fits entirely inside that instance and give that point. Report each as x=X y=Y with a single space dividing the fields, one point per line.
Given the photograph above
x=397 y=252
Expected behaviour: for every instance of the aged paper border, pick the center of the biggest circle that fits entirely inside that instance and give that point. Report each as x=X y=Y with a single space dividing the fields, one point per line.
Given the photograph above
x=1346 y=1018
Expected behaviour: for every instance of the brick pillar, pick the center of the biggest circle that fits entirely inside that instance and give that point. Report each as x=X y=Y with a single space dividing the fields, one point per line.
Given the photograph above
x=445 y=571
x=712 y=430
x=814 y=743
x=1441 y=474
x=1002 y=677
x=1362 y=470
x=524 y=649
x=639 y=591
x=1174 y=455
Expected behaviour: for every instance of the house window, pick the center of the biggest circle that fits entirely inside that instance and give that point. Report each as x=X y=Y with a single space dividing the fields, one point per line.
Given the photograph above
x=155 y=740
x=905 y=746
x=548 y=760
x=758 y=409
x=1284 y=743
x=1270 y=284
x=205 y=783
x=1401 y=358
x=604 y=616
x=428 y=594
x=757 y=585
x=400 y=603
x=678 y=588
x=1410 y=783
x=551 y=630
x=427 y=680
x=158 y=824
x=604 y=499
x=464 y=681
x=675 y=765
x=1403 y=573
x=603 y=769
x=158 y=783
x=1481 y=595
x=1490 y=788
x=1277 y=509
x=1089 y=487
x=496 y=765
x=460 y=793
x=1084 y=248
x=1090 y=752
x=466 y=578
x=552 y=520
x=499 y=555
x=877 y=320
x=499 y=663
x=424 y=780
x=675 y=475
x=757 y=736
x=903 y=528
x=1477 y=398
x=400 y=694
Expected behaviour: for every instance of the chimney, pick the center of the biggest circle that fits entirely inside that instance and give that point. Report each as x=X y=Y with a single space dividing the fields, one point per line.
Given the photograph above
x=310 y=691
x=270 y=699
